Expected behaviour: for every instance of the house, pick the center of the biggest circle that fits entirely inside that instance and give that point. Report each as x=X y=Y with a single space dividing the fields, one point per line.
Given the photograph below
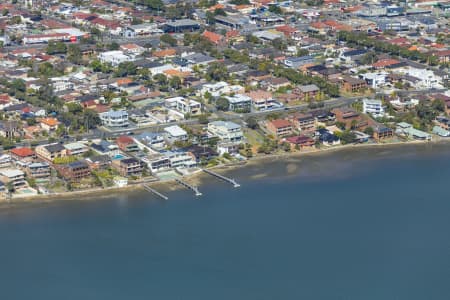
x=51 y=151
x=75 y=171
x=114 y=57
x=301 y=141
x=230 y=148
x=157 y=162
x=373 y=107
x=127 y=144
x=239 y=103
x=99 y=162
x=213 y=37
x=180 y=159
x=132 y=49
x=353 y=85
x=128 y=167
x=304 y=121
x=262 y=100
x=115 y=118
x=381 y=132
x=279 y=127
x=327 y=138
x=106 y=148
x=38 y=170
x=184 y=106
x=308 y=92
x=9 y=129
x=201 y=153
x=183 y=25
x=13 y=177
x=440 y=131
x=76 y=148
x=275 y=83
x=23 y=154
x=408 y=130
x=296 y=62
x=226 y=131
x=175 y=133
x=49 y=124
x=152 y=139
x=350 y=118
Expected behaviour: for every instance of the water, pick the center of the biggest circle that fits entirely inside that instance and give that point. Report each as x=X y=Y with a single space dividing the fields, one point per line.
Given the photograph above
x=371 y=224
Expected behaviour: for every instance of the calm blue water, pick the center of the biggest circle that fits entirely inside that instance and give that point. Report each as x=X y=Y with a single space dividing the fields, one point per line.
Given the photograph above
x=361 y=225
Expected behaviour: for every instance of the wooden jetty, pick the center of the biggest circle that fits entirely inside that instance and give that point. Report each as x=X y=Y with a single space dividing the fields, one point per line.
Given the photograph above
x=153 y=191
x=224 y=178
x=189 y=186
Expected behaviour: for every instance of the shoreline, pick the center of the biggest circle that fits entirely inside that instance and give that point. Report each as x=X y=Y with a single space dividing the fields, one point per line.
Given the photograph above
x=89 y=194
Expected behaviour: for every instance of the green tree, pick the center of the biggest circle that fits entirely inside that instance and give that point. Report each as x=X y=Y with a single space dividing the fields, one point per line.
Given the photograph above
x=126 y=68
x=168 y=39
x=54 y=47
x=252 y=123
x=222 y=104
x=74 y=54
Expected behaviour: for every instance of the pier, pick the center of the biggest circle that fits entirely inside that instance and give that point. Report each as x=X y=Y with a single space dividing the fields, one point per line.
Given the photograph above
x=153 y=191
x=189 y=186
x=224 y=178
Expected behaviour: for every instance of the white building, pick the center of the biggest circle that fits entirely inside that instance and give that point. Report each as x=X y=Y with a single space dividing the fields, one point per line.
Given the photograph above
x=175 y=133
x=183 y=105
x=373 y=107
x=374 y=80
x=76 y=148
x=114 y=57
x=61 y=84
x=226 y=131
x=115 y=118
x=180 y=159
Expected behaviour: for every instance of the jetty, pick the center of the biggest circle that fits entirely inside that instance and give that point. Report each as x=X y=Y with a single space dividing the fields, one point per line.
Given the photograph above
x=155 y=192
x=224 y=178
x=189 y=186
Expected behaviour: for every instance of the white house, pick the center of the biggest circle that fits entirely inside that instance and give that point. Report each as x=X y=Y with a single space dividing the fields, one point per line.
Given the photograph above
x=112 y=118
x=183 y=105
x=373 y=107
x=175 y=133
x=114 y=57
x=226 y=131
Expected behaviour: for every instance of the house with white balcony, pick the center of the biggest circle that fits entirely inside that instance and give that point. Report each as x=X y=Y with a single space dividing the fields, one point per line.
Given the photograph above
x=373 y=107
x=226 y=131
x=184 y=105
x=115 y=57
x=115 y=118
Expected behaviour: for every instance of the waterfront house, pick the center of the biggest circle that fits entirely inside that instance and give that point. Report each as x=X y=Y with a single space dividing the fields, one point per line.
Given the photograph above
x=440 y=131
x=157 y=162
x=13 y=177
x=301 y=141
x=180 y=159
x=127 y=144
x=51 y=151
x=201 y=153
x=75 y=171
x=327 y=138
x=226 y=131
x=408 y=130
x=38 y=170
x=128 y=166
x=279 y=127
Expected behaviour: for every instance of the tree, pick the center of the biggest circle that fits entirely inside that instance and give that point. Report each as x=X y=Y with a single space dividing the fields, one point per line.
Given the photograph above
x=369 y=131
x=74 y=54
x=222 y=104
x=175 y=82
x=275 y=9
x=252 y=123
x=203 y=119
x=126 y=68
x=217 y=72
x=168 y=39
x=56 y=48
x=161 y=79
x=113 y=46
